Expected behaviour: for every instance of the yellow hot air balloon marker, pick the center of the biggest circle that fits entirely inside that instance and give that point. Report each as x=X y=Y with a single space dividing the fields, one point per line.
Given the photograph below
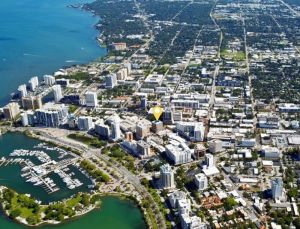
x=157 y=111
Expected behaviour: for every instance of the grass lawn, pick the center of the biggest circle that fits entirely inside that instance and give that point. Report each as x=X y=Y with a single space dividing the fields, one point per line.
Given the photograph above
x=25 y=212
x=237 y=56
x=73 y=201
x=91 y=141
x=72 y=108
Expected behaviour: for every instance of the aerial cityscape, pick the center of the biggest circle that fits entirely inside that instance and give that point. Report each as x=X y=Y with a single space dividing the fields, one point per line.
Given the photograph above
x=180 y=114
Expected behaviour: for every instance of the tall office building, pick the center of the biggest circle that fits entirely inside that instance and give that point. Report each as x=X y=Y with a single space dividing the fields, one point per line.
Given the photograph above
x=116 y=131
x=102 y=129
x=209 y=160
x=122 y=74
x=201 y=181
x=144 y=103
x=168 y=116
x=277 y=188
x=143 y=129
x=22 y=89
x=85 y=123
x=72 y=121
x=11 y=111
x=33 y=83
x=143 y=148
x=57 y=91
x=111 y=81
x=49 y=80
x=167 y=176
x=91 y=99
x=128 y=66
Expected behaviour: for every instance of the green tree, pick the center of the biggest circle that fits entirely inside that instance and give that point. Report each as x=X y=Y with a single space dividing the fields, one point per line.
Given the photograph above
x=229 y=203
x=15 y=213
x=293 y=192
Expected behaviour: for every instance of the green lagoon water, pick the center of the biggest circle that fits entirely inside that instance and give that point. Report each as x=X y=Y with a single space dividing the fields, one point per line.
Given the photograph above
x=114 y=213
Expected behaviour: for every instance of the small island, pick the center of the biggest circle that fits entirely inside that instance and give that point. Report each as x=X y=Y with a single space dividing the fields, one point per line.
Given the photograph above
x=26 y=210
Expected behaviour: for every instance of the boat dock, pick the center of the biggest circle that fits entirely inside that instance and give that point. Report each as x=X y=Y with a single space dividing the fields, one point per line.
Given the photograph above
x=39 y=175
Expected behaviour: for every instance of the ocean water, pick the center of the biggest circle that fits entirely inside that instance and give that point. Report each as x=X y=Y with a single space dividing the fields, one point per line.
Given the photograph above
x=38 y=37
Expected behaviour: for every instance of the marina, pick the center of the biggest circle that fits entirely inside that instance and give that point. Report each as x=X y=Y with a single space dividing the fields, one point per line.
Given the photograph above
x=37 y=174
x=50 y=172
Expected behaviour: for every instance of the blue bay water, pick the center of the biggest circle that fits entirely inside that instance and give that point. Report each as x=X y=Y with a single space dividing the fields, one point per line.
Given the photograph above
x=38 y=37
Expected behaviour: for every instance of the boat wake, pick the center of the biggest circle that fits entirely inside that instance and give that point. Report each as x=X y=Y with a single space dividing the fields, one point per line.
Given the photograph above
x=73 y=61
x=29 y=54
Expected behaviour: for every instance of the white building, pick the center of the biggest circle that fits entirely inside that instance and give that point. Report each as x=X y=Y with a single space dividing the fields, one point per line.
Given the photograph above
x=85 y=123
x=209 y=169
x=52 y=115
x=215 y=146
x=33 y=83
x=154 y=80
x=111 y=80
x=192 y=222
x=91 y=99
x=209 y=160
x=49 y=80
x=270 y=152
x=24 y=119
x=143 y=149
x=11 y=111
x=179 y=153
x=184 y=206
x=185 y=103
x=192 y=130
x=167 y=176
x=143 y=129
x=277 y=188
x=175 y=196
x=22 y=89
x=115 y=127
x=201 y=181
x=247 y=142
x=122 y=74
x=57 y=92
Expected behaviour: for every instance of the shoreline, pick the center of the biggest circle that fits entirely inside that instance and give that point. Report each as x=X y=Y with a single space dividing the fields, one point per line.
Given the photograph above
x=86 y=211
x=48 y=222
x=121 y=196
x=97 y=38
x=96 y=206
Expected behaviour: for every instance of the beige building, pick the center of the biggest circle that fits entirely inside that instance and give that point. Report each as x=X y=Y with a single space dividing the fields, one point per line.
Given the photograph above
x=32 y=102
x=11 y=111
x=143 y=129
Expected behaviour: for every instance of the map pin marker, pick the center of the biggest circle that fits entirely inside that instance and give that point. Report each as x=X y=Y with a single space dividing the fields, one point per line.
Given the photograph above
x=157 y=111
